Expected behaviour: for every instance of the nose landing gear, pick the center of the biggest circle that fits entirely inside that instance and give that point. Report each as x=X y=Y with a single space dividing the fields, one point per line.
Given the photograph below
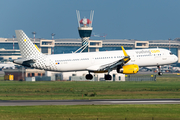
x=159 y=70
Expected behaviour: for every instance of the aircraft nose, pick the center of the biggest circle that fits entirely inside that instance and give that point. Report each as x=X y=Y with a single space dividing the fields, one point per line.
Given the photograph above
x=175 y=58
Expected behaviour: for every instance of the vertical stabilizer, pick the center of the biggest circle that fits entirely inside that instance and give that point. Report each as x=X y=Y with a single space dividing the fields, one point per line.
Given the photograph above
x=27 y=48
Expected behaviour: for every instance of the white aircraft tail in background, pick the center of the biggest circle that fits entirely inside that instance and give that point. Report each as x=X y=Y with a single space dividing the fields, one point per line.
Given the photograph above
x=7 y=65
x=126 y=62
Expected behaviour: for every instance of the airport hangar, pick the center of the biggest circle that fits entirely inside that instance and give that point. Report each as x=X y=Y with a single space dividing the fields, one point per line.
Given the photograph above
x=10 y=49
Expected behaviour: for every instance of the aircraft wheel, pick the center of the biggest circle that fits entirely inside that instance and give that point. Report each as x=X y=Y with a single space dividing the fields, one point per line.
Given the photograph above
x=89 y=77
x=160 y=73
x=108 y=77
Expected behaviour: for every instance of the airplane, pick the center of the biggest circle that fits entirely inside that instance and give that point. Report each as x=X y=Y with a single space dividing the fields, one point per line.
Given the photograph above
x=125 y=62
x=7 y=65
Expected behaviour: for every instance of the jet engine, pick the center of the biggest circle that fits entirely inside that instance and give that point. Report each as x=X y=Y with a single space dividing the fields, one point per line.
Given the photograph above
x=128 y=69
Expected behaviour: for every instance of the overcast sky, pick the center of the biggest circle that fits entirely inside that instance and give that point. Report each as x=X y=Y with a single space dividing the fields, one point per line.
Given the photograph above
x=119 y=19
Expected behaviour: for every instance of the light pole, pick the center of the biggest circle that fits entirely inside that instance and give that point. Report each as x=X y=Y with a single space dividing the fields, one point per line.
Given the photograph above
x=52 y=39
x=13 y=41
x=34 y=34
x=52 y=36
x=169 y=43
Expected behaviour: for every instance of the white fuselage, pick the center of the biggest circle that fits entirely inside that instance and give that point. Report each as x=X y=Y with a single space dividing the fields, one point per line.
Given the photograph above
x=83 y=61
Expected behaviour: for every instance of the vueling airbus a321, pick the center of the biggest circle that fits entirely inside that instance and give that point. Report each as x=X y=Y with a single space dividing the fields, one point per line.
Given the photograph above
x=126 y=62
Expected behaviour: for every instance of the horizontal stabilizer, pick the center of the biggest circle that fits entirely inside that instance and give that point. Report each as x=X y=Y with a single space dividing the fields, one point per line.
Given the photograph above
x=25 y=62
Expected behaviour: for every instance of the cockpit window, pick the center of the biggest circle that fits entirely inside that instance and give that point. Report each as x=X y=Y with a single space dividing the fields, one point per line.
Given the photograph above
x=170 y=53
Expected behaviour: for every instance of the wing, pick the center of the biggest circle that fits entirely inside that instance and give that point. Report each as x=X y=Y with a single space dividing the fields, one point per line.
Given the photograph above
x=111 y=66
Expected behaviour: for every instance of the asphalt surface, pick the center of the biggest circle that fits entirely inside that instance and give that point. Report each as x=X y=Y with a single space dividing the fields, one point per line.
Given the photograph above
x=86 y=102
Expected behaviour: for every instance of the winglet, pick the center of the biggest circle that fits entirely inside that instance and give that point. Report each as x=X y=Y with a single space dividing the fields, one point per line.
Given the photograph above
x=127 y=57
x=125 y=54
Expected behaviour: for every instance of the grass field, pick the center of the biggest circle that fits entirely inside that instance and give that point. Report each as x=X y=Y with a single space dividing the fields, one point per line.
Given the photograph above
x=91 y=112
x=167 y=86
x=164 y=87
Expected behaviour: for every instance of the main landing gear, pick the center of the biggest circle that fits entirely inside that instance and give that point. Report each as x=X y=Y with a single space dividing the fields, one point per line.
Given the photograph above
x=106 y=76
x=159 y=70
x=89 y=76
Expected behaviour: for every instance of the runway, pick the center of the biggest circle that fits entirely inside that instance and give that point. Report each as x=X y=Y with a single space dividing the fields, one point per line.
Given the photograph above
x=87 y=102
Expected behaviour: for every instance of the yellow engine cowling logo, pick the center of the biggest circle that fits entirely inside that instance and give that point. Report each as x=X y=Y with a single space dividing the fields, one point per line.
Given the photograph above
x=129 y=69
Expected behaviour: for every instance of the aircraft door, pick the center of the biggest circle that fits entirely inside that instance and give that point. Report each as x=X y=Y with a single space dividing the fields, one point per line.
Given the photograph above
x=133 y=58
x=92 y=59
x=157 y=58
x=164 y=57
x=47 y=62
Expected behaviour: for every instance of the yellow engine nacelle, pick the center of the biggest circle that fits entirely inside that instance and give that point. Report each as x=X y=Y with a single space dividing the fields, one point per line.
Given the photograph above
x=128 y=69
